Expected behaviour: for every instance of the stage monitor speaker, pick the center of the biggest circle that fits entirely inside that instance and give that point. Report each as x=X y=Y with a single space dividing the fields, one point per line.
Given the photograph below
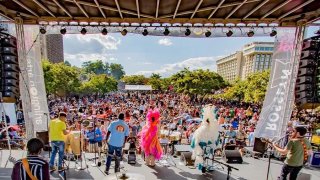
x=232 y=156
x=259 y=146
x=44 y=136
x=186 y=159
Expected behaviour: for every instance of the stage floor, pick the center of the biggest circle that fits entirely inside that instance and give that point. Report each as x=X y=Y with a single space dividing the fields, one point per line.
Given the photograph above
x=251 y=169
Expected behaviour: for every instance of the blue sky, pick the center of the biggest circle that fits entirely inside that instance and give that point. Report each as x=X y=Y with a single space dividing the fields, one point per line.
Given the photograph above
x=145 y=55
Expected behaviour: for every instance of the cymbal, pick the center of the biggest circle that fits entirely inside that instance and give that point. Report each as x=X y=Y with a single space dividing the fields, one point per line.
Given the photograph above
x=126 y=176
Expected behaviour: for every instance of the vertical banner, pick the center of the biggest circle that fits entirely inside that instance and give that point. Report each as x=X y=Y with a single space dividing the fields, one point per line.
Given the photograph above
x=34 y=81
x=273 y=114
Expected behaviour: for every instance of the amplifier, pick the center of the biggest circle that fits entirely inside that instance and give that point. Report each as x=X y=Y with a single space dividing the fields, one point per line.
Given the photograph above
x=314 y=160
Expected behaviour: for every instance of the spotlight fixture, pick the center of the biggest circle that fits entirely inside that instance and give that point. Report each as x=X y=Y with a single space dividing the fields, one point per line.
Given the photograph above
x=124 y=32
x=166 y=32
x=83 y=31
x=273 y=33
x=188 y=32
x=63 y=31
x=207 y=34
x=250 y=33
x=104 y=31
x=229 y=33
x=145 y=32
x=43 y=30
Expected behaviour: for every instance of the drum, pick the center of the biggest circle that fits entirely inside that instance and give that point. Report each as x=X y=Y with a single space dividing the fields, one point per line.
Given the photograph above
x=73 y=142
x=175 y=136
x=164 y=134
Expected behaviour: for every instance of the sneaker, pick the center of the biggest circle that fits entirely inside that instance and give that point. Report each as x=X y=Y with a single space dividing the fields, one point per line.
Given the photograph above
x=52 y=168
x=60 y=169
x=107 y=172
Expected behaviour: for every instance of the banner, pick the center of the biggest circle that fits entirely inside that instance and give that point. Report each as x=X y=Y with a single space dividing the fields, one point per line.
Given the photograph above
x=38 y=112
x=272 y=117
x=138 y=87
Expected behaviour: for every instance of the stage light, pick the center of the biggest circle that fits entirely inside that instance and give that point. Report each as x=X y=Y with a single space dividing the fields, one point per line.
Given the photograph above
x=250 y=33
x=188 y=32
x=229 y=33
x=145 y=32
x=63 y=31
x=166 y=32
x=104 y=31
x=207 y=34
x=124 y=32
x=83 y=31
x=273 y=33
x=43 y=30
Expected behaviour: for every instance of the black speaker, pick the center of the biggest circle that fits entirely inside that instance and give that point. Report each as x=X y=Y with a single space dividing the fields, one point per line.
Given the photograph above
x=259 y=146
x=232 y=156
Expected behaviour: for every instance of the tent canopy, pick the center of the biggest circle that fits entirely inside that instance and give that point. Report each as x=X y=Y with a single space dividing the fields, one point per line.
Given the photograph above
x=138 y=88
x=282 y=12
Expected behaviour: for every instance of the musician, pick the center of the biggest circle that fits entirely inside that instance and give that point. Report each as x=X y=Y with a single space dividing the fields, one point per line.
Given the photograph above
x=57 y=130
x=118 y=131
x=297 y=151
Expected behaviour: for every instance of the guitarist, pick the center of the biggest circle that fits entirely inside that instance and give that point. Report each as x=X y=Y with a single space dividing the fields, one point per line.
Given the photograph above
x=297 y=151
x=33 y=167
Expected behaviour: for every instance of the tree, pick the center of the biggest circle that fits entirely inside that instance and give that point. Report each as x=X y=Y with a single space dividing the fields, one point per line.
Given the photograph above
x=197 y=82
x=116 y=70
x=97 y=67
x=60 y=79
x=155 y=81
x=100 y=83
x=135 y=80
x=253 y=89
x=67 y=63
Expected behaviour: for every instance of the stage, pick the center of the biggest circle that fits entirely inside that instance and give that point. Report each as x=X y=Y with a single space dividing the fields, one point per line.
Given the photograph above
x=251 y=169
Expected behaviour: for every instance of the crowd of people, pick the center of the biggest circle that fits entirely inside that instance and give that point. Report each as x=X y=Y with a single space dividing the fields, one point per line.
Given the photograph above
x=177 y=118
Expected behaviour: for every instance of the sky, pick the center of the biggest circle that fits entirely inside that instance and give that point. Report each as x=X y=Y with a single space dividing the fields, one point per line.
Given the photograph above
x=153 y=54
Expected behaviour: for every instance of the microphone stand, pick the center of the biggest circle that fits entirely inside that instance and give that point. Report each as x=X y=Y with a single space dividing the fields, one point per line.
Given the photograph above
x=229 y=168
x=82 y=152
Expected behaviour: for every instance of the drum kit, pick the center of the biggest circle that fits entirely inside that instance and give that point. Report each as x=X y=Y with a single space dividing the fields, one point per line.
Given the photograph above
x=167 y=140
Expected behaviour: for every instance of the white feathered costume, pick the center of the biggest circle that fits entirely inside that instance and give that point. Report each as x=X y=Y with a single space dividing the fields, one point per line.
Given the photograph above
x=205 y=135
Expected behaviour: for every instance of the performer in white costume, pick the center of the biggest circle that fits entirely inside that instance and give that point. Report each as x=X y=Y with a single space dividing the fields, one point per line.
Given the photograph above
x=205 y=137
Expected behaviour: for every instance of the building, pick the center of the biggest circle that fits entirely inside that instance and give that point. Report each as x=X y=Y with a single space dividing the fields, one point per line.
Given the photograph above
x=52 y=47
x=254 y=57
x=229 y=67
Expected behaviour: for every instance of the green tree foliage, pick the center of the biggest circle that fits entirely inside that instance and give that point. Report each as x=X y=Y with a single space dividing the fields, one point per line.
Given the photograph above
x=99 y=83
x=97 y=67
x=67 y=63
x=155 y=81
x=197 y=82
x=252 y=89
x=60 y=78
x=135 y=80
x=116 y=70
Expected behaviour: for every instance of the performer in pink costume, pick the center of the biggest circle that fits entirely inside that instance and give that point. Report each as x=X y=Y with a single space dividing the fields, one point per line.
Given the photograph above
x=149 y=140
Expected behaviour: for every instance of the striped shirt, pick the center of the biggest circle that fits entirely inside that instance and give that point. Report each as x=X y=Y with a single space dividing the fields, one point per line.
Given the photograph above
x=38 y=167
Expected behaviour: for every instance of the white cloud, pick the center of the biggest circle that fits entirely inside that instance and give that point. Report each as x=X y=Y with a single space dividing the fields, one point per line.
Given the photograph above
x=191 y=63
x=78 y=59
x=108 y=42
x=165 y=42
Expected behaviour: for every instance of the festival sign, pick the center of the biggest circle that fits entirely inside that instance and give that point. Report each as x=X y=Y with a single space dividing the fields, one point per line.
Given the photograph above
x=272 y=117
x=35 y=80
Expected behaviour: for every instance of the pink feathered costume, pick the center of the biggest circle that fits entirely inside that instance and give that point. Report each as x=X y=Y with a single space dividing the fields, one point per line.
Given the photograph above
x=149 y=140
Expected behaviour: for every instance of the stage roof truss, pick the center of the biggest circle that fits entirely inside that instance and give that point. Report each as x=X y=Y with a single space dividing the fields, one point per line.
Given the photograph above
x=281 y=12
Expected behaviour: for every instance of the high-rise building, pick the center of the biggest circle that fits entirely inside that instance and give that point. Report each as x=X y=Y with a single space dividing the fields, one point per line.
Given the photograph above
x=229 y=66
x=52 y=47
x=254 y=57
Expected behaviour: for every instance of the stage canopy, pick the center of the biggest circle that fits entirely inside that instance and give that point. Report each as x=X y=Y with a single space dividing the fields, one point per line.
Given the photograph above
x=281 y=12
